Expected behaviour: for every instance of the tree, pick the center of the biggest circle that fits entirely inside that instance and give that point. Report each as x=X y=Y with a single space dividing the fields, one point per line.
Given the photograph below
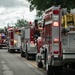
x=45 y=4
x=21 y=23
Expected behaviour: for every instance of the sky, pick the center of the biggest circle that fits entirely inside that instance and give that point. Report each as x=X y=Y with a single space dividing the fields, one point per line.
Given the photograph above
x=12 y=10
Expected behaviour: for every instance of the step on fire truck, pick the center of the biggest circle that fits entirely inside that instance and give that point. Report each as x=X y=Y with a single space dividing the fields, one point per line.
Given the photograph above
x=28 y=45
x=14 y=40
x=58 y=42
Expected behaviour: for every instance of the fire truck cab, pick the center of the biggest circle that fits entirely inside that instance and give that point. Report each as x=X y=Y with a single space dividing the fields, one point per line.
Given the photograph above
x=14 y=40
x=58 y=47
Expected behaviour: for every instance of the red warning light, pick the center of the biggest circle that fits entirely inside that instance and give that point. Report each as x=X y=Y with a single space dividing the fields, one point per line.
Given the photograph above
x=56 y=12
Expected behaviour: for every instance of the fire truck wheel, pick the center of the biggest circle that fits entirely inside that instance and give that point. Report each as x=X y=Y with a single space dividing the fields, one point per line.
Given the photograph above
x=40 y=65
x=27 y=56
x=22 y=53
x=58 y=71
x=0 y=47
x=73 y=65
x=53 y=70
x=8 y=49
x=50 y=70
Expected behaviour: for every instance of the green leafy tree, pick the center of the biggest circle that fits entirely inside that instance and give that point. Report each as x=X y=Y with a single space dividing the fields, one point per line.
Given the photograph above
x=44 y=4
x=21 y=23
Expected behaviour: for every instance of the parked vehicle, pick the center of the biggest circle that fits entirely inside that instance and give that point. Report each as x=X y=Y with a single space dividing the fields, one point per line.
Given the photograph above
x=14 y=40
x=28 y=45
x=58 y=42
x=3 y=41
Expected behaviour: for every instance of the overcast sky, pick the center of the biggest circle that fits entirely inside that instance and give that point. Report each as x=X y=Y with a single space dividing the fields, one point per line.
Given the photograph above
x=12 y=10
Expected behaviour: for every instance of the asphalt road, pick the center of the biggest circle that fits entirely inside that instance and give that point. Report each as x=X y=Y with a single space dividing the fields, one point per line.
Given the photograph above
x=11 y=64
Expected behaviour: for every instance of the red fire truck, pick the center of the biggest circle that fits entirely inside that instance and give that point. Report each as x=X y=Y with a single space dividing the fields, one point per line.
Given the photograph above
x=3 y=40
x=58 y=43
x=14 y=40
x=28 y=45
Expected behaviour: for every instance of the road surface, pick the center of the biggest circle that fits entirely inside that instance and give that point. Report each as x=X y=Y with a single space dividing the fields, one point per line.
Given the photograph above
x=11 y=64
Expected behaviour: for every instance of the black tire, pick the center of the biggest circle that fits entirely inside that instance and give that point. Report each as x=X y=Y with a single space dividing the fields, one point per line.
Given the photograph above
x=0 y=47
x=22 y=54
x=40 y=65
x=54 y=70
x=27 y=56
x=50 y=71
x=8 y=49
x=58 y=70
x=73 y=65
x=21 y=51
